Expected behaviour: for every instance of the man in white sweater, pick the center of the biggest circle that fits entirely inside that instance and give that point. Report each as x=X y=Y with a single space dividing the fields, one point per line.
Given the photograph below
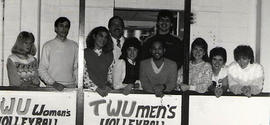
x=58 y=65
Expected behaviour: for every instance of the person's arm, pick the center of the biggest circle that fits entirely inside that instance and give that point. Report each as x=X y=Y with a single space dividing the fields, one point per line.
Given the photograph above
x=13 y=76
x=87 y=82
x=171 y=85
x=206 y=79
x=75 y=65
x=36 y=81
x=234 y=85
x=119 y=72
x=257 y=84
x=146 y=84
x=44 y=66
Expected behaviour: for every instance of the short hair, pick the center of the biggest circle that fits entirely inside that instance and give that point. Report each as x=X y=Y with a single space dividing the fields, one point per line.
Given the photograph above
x=243 y=51
x=21 y=38
x=157 y=41
x=219 y=51
x=165 y=13
x=61 y=20
x=130 y=42
x=90 y=41
x=114 y=18
x=201 y=43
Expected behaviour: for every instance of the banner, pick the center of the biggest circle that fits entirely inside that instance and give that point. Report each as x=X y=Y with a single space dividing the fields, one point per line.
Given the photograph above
x=133 y=109
x=37 y=108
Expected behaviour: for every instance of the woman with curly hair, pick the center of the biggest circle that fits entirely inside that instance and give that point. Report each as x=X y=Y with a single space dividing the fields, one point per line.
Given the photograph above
x=98 y=58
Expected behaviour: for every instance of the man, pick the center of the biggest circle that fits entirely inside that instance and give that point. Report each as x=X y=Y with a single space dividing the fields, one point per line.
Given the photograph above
x=174 y=46
x=116 y=28
x=158 y=74
x=58 y=66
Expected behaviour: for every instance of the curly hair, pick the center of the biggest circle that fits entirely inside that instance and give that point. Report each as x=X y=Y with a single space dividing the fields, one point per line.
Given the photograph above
x=18 y=46
x=243 y=51
x=201 y=43
x=90 y=41
x=219 y=51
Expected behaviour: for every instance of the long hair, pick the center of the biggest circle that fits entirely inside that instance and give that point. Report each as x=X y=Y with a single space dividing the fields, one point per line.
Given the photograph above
x=90 y=41
x=243 y=51
x=201 y=43
x=131 y=42
x=18 y=46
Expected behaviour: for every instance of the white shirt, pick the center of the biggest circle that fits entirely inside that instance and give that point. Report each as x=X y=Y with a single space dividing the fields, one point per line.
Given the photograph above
x=155 y=68
x=221 y=75
x=116 y=50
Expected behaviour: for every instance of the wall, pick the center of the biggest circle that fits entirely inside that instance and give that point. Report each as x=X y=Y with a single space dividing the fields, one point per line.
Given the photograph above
x=225 y=23
x=265 y=42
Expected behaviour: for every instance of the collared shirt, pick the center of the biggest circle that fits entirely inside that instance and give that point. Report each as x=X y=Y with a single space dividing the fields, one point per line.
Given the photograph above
x=98 y=51
x=116 y=50
x=154 y=66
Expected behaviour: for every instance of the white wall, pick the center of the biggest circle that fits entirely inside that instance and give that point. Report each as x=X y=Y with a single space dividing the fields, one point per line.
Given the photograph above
x=265 y=42
x=225 y=23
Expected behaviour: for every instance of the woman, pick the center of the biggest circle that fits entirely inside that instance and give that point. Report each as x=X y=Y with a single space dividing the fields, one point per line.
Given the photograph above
x=200 y=71
x=218 y=57
x=98 y=57
x=245 y=76
x=126 y=70
x=21 y=64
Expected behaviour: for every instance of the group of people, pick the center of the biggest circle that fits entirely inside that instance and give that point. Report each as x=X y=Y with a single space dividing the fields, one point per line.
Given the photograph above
x=58 y=66
x=113 y=62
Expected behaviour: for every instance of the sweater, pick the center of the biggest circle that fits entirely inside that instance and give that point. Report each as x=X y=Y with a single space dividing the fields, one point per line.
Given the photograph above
x=167 y=75
x=22 y=72
x=98 y=66
x=200 y=76
x=59 y=62
x=252 y=75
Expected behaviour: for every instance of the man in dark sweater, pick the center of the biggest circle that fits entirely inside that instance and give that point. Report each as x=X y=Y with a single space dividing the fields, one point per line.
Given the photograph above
x=174 y=46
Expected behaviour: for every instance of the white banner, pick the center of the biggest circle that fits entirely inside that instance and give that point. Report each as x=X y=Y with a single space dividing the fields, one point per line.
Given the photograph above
x=37 y=108
x=134 y=109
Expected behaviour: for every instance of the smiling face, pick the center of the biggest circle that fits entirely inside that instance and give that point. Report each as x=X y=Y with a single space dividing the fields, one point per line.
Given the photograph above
x=243 y=62
x=164 y=24
x=217 y=62
x=101 y=39
x=157 y=51
x=116 y=28
x=26 y=45
x=132 y=53
x=62 y=29
x=198 y=53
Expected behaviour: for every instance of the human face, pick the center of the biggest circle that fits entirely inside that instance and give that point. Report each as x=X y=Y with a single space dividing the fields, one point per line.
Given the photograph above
x=117 y=28
x=62 y=29
x=132 y=53
x=157 y=51
x=217 y=62
x=243 y=62
x=27 y=45
x=164 y=24
x=198 y=53
x=101 y=39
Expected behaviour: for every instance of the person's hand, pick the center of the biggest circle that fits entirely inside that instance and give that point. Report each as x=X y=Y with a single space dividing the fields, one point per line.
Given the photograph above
x=58 y=86
x=246 y=91
x=158 y=90
x=184 y=87
x=103 y=91
x=127 y=89
x=218 y=92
